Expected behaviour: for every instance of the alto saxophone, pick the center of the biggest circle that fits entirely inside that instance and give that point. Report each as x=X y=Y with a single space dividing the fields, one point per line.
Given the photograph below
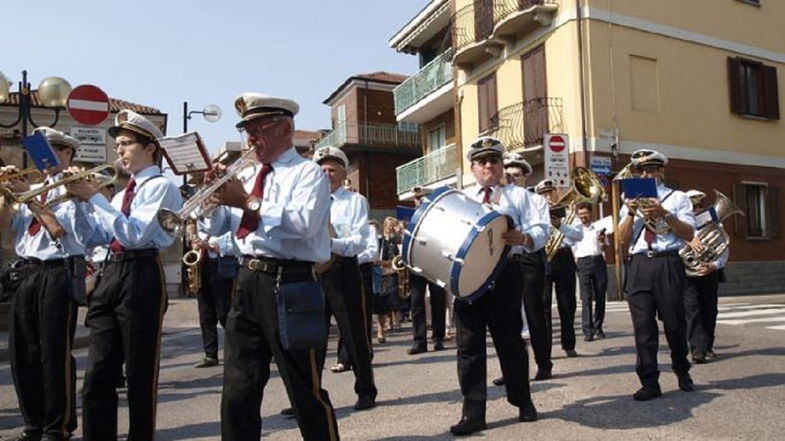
x=191 y=260
x=403 y=276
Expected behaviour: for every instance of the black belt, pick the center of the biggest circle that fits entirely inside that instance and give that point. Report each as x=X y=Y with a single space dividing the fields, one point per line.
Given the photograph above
x=131 y=254
x=268 y=265
x=592 y=257
x=652 y=254
x=30 y=265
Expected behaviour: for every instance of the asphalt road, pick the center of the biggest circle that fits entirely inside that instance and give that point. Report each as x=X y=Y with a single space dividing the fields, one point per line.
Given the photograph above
x=741 y=396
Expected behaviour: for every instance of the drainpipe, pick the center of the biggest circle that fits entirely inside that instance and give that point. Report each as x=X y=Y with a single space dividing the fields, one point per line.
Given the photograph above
x=581 y=73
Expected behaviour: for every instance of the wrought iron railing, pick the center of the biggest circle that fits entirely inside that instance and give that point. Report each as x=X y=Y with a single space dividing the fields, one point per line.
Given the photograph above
x=524 y=124
x=431 y=77
x=433 y=167
x=370 y=135
x=475 y=22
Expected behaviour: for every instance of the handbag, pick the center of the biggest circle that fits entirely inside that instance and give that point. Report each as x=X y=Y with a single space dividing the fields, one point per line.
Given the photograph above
x=301 y=320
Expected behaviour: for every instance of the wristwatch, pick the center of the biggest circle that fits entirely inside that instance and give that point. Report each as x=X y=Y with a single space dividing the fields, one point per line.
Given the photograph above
x=253 y=204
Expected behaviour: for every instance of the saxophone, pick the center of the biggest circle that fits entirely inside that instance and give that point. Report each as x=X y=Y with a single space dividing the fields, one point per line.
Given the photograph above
x=403 y=276
x=192 y=260
x=713 y=237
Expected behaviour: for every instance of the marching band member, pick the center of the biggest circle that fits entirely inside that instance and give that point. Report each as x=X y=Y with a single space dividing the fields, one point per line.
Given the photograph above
x=280 y=223
x=532 y=261
x=560 y=271
x=700 y=296
x=417 y=286
x=44 y=308
x=592 y=273
x=341 y=282
x=127 y=307
x=656 y=278
x=218 y=272
x=499 y=309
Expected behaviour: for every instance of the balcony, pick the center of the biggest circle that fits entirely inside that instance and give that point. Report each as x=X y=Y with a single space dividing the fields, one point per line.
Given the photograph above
x=427 y=170
x=431 y=78
x=522 y=125
x=372 y=135
x=482 y=29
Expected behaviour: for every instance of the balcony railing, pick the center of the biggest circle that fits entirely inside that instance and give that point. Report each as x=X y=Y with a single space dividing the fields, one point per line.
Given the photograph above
x=431 y=77
x=478 y=21
x=524 y=124
x=433 y=167
x=370 y=135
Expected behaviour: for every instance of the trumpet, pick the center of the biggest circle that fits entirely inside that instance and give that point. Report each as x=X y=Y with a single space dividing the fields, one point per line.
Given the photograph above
x=28 y=196
x=32 y=174
x=104 y=182
x=172 y=221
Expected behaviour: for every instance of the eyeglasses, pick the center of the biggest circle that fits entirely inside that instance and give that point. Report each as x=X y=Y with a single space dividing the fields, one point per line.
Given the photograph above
x=258 y=130
x=650 y=168
x=487 y=159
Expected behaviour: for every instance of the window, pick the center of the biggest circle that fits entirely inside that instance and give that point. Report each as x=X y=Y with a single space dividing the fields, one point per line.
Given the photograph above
x=437 y=138
x=758 y=200
x=486 y=97
x=753 y=89
x=406 y=126
x=535 y=93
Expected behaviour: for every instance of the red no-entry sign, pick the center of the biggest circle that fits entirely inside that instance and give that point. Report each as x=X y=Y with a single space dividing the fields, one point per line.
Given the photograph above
x=556 y=143
x=88 y=105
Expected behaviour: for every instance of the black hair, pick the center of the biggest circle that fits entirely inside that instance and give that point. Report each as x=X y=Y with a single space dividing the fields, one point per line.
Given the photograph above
x=583 y=205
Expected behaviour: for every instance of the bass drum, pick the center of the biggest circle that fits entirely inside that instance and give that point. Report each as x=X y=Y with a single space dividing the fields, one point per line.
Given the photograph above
x=456 y=242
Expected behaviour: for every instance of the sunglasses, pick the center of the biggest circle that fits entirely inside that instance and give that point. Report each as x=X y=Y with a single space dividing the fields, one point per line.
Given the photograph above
x=487 y=159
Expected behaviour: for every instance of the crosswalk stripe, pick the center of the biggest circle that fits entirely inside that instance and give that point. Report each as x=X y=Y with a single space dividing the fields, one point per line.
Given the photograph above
x=752 y=320
x=743 y=306
x=779 y=327
x=771 y=311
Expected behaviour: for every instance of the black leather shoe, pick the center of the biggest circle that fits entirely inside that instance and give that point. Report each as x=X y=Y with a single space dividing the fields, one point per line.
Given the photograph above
x=498 y=381
x=26 y=436
x=527 y=413
x=364 y=403
x=466 y=426
x=542 y=374
x=207 y=362
x=599 y=335
x=288 y=412
x=646 y=393
x=571 y=353
x=589 y=337
x=685 y=382
x=710 y=355
x=438 y=345
x=417 y=349
x=699 y=357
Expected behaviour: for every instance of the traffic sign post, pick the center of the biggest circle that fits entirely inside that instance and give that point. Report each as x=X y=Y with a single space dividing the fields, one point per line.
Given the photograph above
x=557 y=161
x=88 y=105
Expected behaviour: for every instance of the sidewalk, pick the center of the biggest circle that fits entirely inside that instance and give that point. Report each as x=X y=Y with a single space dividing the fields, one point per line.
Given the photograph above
x=179 y=315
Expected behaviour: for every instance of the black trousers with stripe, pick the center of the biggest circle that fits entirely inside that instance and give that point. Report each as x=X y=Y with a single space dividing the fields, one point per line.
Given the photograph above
x=593 y=275
x=366 y=273
x=417 y=285
x=251 y=343
x=700 y=302
x=498 y=310
x=655 y=288
x=533 y=267
x=43 y=322
x=561 y=273
x=214 y=299
x=125 y=314
x=345 y=300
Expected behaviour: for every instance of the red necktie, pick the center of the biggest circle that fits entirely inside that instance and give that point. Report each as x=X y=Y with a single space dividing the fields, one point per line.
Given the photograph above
x=35 y=226
x=115 y=246
x=648 y=236
x=250 y=220
x=486 y=199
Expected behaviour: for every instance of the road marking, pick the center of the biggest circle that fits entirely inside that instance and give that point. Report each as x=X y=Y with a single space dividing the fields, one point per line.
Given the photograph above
x=779 y=328
x=752 y=320
x=771 y=311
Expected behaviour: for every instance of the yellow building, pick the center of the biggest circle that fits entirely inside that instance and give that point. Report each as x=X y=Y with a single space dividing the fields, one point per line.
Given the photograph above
x=696 y=80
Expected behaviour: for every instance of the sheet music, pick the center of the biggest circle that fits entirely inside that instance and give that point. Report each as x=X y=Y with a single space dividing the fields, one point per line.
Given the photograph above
x=607 y=223
x=185 y=153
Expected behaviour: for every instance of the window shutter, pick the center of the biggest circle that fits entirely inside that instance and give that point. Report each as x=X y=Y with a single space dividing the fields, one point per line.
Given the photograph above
x=493 y=104
x=482 y=102
x=772 y=92
x=734 y=85
x=740 y=227
x=772 y=212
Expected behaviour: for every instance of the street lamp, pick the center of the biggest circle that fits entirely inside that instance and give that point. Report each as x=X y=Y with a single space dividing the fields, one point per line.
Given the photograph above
x=211 y=113
x=52 y=92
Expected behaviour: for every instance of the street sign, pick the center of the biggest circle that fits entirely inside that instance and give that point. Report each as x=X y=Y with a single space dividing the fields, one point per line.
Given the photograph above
x=92 y=144
x=88 y=105
x=557 y=161
x=601 y=164
x=91 y=153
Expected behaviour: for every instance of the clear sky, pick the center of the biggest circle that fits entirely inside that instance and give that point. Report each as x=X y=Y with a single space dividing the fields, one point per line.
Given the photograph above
x=161 y=53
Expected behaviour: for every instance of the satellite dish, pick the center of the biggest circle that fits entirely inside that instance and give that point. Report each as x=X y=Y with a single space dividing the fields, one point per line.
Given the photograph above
x=212 y=113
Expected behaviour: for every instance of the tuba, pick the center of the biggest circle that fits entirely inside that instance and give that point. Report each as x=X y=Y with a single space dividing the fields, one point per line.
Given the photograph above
x=586 y=187
x=712 y=236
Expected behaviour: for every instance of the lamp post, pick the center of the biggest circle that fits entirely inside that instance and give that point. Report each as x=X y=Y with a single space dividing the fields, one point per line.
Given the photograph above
x=211 y=113
x=52 y=92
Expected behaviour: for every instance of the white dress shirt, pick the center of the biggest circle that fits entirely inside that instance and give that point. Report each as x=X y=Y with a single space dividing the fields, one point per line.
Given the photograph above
x=349 y=218
x=371 y=251
x=588 y=246
x=224 y=244
x=140 y=230
x=677 y=204
x=572 y=234
x=525 y=211
x=294 y=213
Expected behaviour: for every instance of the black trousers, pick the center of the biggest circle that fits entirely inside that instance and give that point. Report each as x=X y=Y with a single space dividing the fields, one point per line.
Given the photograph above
x=252 y=341
x=655 y=287
x=417 y=285
x=214 y=301
x=700 y=306
x=42 y=326
x=500 y=311
x=561 y=273
x=533 y=267
x=366 y=274
x=593 y=275
x=125 y=314
x=345 y=300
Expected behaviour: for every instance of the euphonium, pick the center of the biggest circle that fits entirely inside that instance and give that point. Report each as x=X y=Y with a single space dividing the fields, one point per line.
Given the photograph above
x=656 y=225
x=403 y=276
x=713 y=237
x=586 y=187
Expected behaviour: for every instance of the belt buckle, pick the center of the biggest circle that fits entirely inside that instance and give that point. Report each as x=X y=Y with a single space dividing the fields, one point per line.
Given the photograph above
x=649 y=254
x=258 y=265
